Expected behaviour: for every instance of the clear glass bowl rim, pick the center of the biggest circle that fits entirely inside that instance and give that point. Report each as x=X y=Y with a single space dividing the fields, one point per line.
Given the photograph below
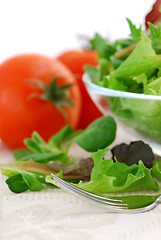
x=115 y=93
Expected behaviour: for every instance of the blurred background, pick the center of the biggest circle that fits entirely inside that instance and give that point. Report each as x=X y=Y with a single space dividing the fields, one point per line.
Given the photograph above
x=51 y=26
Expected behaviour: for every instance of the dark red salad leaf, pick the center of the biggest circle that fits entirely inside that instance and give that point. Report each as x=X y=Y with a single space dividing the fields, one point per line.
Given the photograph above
x=132 y=153
x=154 y=15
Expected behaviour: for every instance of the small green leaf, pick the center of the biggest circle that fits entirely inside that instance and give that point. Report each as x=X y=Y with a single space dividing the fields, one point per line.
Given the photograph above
x=19 y=153
x=43 y=152
x=16 y=184
x=49 y=179
x=32 y=145
x=116 y=62
x=156 y=171
x=155 y=37
x=94 y=73
x=61 y=136
x=32 y=182
x=42 y=157
x=135 y=32
x=123 y=43
x=104 y=48
x=10 y=172
x=155 y=31
x=99 y=134
x=20 y=181
x=37 y=138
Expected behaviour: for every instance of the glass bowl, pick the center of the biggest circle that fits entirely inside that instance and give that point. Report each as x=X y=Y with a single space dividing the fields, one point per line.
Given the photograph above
x=138 y=116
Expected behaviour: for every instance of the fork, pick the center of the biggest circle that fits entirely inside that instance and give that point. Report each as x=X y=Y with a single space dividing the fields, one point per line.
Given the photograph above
x=115 y=204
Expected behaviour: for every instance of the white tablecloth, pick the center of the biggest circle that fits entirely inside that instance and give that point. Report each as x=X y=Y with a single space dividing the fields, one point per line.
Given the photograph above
x=54 y=214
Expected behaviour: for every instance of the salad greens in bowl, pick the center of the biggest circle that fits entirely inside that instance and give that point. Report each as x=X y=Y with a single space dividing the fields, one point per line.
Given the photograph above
x=127 y=83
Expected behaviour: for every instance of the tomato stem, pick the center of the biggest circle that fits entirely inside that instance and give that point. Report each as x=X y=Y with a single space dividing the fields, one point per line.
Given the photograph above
x=59 y=95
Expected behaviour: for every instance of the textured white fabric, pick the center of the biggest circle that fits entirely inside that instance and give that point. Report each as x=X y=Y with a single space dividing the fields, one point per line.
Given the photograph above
x=54 y=214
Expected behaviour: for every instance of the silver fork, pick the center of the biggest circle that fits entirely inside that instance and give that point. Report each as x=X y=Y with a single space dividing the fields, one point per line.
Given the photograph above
x=122 y=204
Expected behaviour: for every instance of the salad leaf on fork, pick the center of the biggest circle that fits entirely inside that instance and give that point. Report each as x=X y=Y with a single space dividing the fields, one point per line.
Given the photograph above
x=108 y=176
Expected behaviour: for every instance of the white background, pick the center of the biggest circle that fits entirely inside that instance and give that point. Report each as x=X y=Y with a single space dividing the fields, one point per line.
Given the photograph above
x=51 y=26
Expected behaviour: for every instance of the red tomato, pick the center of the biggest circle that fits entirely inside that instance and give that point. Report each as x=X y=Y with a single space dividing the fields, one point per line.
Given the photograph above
x=75 y=61
x=22 y=111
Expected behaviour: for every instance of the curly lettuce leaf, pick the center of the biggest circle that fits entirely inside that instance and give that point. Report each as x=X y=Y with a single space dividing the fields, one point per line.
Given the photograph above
x=135 y=32
x=154 y=87
x=109 y=177
x=156 y=169
x=155 y=37
x=143 y=59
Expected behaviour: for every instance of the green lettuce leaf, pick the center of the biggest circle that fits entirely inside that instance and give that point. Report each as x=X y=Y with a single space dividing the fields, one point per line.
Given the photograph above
x=135 y=32
x=99 y=134
x=20 y=181
x=108 y=176
x=103 y=46
x=156 y=169
x=143 y=115
x=155 y=37
x=143 y=59
x=61 y=136
x=154 y=87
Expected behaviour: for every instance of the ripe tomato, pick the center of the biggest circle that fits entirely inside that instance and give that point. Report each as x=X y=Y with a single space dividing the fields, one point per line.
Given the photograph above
x=76 y=60
x=21 y=107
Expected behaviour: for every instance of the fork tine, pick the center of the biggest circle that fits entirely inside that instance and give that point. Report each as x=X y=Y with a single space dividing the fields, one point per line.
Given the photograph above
x=94 y=199
x=133 y=203
x=106 y=201
x=85 y=192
